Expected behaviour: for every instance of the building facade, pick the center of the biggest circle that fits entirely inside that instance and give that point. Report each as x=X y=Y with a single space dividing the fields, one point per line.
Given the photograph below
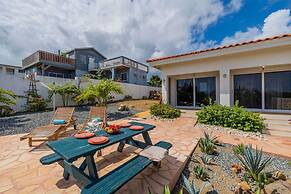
x=256 y=74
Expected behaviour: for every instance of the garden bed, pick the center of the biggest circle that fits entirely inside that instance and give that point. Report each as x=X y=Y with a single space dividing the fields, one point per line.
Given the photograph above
x=223 y=180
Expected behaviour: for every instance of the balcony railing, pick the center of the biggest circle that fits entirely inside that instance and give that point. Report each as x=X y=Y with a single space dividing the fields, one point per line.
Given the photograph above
x=115 y=62
x=40 y=56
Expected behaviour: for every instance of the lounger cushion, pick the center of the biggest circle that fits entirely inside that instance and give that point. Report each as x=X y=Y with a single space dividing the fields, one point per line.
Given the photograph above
x=96 y=119
x=59 y=122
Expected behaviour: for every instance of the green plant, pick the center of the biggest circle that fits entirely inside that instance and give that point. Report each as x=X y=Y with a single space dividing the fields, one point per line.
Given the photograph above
x=66 y=91
x=100 y=92
x=164 y=111
x=7 y=99
x=206 y=146
x=234 y=117
x=191 y=187
x=261 y=183
x=156 y=81
x=206 y=159
x=239 y=149
x=212 y=139
x=36 y=103
x=253 y=162
x=200 y=173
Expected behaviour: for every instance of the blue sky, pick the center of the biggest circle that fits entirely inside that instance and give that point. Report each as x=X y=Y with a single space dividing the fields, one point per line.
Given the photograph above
x=252 y=13
x=138 y=29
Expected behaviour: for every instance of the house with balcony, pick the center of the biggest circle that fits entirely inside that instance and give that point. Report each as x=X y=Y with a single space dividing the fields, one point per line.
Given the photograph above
x=123 y=69
x=74 y=63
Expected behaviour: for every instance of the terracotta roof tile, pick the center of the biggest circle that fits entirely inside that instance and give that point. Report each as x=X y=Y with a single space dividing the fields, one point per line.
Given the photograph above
x=218 y=48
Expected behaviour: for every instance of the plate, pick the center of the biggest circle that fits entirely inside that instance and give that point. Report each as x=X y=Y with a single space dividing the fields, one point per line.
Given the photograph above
x=83 y=135
x=124 y=125
x=98 y=140
x=136 y=127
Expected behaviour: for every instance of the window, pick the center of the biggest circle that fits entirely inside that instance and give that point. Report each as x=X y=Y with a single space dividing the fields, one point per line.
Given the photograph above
x=205 y=90
x=278 y=90
x=185 y=92
x=83 y=59
x=1 y=69
x=9 y=71
x=248 y=90
x=124 y=76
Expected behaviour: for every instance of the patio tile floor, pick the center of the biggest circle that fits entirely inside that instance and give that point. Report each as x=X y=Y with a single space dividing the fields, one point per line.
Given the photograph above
x=21 y=171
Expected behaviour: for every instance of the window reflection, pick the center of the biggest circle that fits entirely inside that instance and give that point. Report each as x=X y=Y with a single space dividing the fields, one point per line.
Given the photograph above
x=185 y=92
x=205 y=90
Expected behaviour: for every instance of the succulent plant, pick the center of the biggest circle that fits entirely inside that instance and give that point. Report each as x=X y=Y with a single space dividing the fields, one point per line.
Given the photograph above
x=200 y=173
x=206 y=146
x=207 y=160
x=191 y=187
x=239 y=149
x=253 y=162
x=212 y=139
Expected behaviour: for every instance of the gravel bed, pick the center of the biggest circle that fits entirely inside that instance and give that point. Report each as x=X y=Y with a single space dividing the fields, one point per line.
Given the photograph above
x=221 y=173
x=231 y=131
x=25 y=122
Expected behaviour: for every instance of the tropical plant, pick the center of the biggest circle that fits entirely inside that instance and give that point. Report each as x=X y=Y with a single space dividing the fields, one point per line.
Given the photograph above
x=200 y=173
x=210 y=138
x=36 y=103
x=253 y=162
x=155 y=80
x=239 y=149
x=7 y=99
x=99 y=93
x=206 y=146
x=234 y=117
x=66 y=91
x=191 y=187
x=164 y=111
x=206 y=159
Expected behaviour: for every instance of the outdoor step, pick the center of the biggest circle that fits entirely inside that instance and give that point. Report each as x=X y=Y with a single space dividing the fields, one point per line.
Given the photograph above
x=276 y=116
x=278 y=127
x=279 y=133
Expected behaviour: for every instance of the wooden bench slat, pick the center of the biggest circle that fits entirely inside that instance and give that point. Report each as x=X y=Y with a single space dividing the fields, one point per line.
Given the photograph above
x=49 y=159
x=115 y=179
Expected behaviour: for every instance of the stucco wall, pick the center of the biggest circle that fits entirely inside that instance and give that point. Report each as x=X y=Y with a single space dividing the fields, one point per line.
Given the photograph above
x=19 y=85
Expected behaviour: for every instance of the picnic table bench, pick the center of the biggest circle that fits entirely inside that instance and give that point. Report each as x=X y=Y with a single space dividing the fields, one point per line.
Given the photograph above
x=70 y=149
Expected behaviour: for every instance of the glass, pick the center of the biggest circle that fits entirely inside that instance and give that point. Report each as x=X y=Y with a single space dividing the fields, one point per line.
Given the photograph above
x=248 y=90
x=278 y=90
x=185 y=92
x=205 y=90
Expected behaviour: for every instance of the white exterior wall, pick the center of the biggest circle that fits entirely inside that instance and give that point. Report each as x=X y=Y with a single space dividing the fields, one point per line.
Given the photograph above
x=227 y=65
x=19 y=86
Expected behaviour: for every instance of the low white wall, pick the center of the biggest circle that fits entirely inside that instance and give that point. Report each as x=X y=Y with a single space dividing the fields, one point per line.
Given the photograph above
x=19 y=85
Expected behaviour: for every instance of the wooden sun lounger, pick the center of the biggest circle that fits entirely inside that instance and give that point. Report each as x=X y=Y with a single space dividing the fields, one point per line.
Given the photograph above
x=51 y=131
x=96 y=111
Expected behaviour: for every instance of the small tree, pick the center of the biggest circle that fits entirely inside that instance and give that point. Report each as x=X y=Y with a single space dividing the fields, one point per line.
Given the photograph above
x=66 y=91
x=99 y=93
x=7 y=99
x=155 y=81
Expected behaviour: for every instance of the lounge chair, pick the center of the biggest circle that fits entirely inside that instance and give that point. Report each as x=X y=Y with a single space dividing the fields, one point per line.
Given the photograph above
x=51 y=131
x=96 y=111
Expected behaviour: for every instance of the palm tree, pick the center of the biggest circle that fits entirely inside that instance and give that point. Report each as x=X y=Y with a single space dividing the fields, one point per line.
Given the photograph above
x=99 y=92
x=7 y=99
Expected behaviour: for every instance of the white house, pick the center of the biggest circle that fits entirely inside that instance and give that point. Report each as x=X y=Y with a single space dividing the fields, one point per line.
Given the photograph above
x=255 y=73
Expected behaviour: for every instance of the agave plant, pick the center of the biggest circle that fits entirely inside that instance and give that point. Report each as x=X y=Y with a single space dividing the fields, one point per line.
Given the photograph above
x=212 y=139
x=253 y=162
x=239 y=149
x=191 y=187
x=206 y=146
x=200 y=173
x=206 y=159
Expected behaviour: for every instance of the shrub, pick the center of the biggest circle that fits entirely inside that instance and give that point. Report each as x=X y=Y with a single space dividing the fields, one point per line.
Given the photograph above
x=234 y=117
x=206 y=146
x=37 y=104
x=239 y=149
x=7 y=99
x=200 y=173
x=165 y=111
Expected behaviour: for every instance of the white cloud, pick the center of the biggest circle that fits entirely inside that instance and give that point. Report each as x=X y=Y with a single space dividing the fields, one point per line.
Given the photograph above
x=276 y=23
x=138 y=29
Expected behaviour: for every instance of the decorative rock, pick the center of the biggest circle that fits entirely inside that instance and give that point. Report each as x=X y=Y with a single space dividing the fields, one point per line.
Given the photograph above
x=279 y=175
x=236 y=168
x=244 y=186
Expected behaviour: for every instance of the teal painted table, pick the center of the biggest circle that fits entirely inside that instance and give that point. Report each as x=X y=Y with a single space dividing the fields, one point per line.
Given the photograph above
x=70 y=149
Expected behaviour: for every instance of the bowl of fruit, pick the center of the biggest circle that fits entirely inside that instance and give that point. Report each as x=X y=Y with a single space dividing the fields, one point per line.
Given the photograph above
x=112 y=129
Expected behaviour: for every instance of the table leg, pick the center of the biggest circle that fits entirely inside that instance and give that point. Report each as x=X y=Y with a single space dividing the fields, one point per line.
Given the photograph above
x=147 y=138
x=121 y=146
x=91 y=166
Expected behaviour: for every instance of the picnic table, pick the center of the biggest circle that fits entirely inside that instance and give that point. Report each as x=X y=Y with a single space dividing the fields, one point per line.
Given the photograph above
x=70 y=149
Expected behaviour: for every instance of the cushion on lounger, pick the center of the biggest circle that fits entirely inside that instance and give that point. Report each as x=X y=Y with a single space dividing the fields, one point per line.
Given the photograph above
x=59 y=122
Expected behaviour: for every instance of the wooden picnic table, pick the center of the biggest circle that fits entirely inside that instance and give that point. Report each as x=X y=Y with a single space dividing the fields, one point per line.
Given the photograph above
x=70 y=149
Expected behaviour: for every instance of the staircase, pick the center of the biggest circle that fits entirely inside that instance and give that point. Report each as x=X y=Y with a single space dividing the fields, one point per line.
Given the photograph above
x=278 y=124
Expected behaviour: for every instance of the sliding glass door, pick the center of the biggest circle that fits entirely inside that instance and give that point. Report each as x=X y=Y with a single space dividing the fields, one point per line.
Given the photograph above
x=185 y=92
x=278 y=90
x=205 y=90
x=248 y=90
